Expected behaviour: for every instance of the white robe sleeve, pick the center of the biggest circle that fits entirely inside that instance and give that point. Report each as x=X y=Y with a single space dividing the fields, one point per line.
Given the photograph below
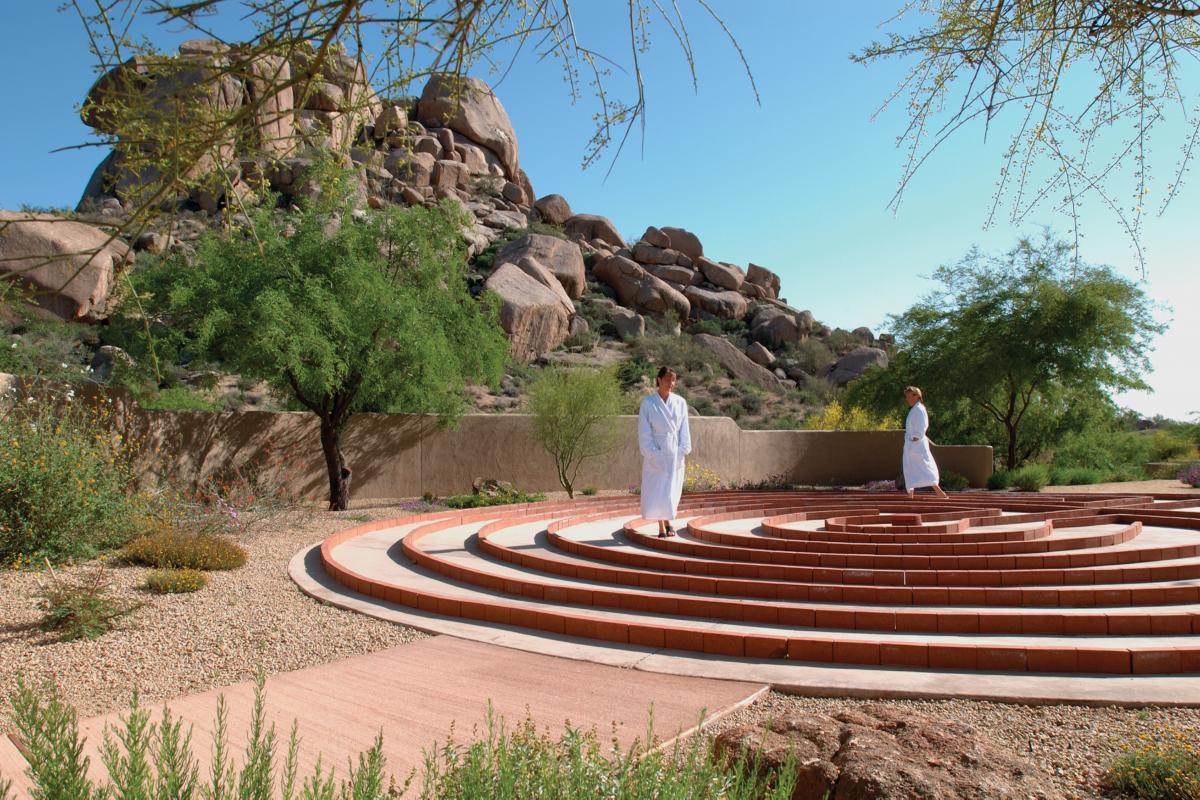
x=645 y=435
x=685 y=434
x=916 y=423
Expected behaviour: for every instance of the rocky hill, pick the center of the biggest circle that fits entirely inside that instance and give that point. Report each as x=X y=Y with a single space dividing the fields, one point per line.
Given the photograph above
x=572 y=289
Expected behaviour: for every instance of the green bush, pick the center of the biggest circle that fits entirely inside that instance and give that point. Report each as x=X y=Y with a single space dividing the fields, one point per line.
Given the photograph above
x=811 y=355
x=80 y=609
x=953 y=482
x=631 y=371
x=66 y=479
x=1163 y=766
x=50 y=349
x=166 y=548
x=178 y=398
x=502 y=497
x=709 y=326
x=1076 y=476
x=175 y=581
x=1030 y=478
x=680 y=353
x=999 y=480
x=586 y=341
x=573 y=412
x=588 y=491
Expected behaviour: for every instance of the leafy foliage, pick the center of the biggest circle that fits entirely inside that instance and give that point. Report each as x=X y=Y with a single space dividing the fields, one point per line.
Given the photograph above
x=573 y=411
x=952 y=481
x=1164 y=765
x=340 y=311
x=66 y=478
x=1019 y=349
x=836 y=417
x=503 y=496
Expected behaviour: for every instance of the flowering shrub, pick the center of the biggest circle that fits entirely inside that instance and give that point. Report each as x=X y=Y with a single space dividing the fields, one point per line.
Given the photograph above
x=1191 y=475
x=1163 y=766
x=835 y=417
x=698 y=478
x=67 y=484
x=175 y=581
x=169 y=548
x=881 y=486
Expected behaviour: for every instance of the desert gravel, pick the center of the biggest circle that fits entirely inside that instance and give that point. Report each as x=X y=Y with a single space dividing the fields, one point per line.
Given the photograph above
x=1072 y=745
x=245 y=620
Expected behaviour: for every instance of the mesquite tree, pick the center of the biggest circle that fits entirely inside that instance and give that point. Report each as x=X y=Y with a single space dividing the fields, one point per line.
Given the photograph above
x=339 y=310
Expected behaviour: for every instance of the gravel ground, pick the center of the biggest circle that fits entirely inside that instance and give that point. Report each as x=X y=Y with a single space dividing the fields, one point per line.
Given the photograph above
x=1072 y=745
x=244 y=620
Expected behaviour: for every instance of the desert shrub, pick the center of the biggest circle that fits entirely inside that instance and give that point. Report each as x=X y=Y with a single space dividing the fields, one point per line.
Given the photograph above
x=734 y=410
x=811 y=355
x=50 y=349
x=752 y=401
x=816 y=391
x=699 y=478
x=841 y=341
x=573 y=411
x=1030 y=478
x=1107 y=449
x=953 y=482
x=880 y=486
x=1190 y=475
x=703 y=406
x=586 y=341
x=769 y=483
x=588 y=491
x=178 y=398
x=784 y=422
x=175 y=581
x=710 y=326
x=503 y=496
x=66 y=478
x=1076 y=476
x=678 y=352
x=80 y=609
x=835 y=417
x=999 y=480
x=666 y=324
x=1161 y=766
x=632 y=371
x=735 y=327
x=167 y=548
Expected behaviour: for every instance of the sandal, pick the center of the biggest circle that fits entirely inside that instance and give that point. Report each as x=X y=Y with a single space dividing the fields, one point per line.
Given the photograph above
x=670 y=530
x=663 y=534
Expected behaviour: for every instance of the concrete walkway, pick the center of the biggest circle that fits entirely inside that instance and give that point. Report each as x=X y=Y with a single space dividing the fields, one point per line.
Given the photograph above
x=418 y=693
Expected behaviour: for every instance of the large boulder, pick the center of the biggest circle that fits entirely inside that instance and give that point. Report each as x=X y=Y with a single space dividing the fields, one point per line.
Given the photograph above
x=726 y=276
x=653 y=236
x=561 y=257
x=536 y=270
x=675 y=275
x=761 y=276
x=628 y=323
x=776 y=325
x=855 y=363
x=726 y=304
x=470 y=107
x=639 y=290
x=735 y=362
x=645 y=253
x=685 y=242
x=70 y=267
x=553 y=209
x=269 y=89
x=531 y=314
x=593 y=226
x=762 y=356
x=880 y=752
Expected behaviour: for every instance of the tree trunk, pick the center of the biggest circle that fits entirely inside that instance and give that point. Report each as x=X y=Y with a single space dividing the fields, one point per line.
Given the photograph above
x=339 y=474
x=1012 y=445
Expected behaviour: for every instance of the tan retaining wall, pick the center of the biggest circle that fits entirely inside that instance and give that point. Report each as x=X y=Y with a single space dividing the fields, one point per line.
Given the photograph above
x=400 y=455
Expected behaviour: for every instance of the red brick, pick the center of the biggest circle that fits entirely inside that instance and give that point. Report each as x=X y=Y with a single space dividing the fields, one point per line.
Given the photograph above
x=903 y=654
x=953 y=656
x=1157 y=662
x=1005 y=659
x=820 y=650
x=850 y=652
x=1053 y=659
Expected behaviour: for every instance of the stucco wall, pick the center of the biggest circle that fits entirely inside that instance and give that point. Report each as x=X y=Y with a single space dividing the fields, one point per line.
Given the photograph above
x=397 y=455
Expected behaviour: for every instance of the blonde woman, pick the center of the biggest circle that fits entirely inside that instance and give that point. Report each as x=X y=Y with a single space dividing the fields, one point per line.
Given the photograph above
x=919 y=467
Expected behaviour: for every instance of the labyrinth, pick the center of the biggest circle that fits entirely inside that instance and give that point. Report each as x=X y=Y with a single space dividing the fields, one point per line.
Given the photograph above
x=1084 y=584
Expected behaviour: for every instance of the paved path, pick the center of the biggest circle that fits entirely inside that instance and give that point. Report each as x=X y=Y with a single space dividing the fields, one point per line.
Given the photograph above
x=415 y=693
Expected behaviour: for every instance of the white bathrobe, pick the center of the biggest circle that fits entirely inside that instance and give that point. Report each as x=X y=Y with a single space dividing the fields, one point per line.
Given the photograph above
x=919 y=467
x=664 y=440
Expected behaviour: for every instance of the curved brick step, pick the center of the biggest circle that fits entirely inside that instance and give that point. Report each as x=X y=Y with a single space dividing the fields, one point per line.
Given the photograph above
x=529 y=566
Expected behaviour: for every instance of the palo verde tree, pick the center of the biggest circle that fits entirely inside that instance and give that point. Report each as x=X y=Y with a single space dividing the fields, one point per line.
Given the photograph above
x=340 y=310
x=1027 y=341
x=1083 y=85
x=573 y=412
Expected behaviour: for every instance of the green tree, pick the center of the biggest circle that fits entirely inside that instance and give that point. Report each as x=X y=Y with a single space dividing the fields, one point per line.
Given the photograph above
x=573 y=410
x=1024 y=346
x=340 y=310
x=1069 y=73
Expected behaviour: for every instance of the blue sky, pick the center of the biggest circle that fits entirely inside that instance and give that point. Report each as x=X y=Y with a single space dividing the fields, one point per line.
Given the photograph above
x=799 y=184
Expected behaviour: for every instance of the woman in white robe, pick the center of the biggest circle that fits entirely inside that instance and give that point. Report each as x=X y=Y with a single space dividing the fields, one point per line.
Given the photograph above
x=664 y=441
x=919 y=467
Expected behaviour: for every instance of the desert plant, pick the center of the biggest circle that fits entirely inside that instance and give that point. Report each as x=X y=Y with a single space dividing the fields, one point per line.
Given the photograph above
x=66 y=478
x=175 y=581
x=572 y=417
x=681 y=353
x=811 y=355
x=1000 y=480
x=880 y=486
x=699 y=478
x=589 y=491
x=166 y=548
x=1160 y=766
x=632 y=371
x=79 y=609
x=1075 y=476
x=953 y=482
x=1029 y=478
x=177 y=398
x=835 y=417
x=502 y=497
x=585 y=341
